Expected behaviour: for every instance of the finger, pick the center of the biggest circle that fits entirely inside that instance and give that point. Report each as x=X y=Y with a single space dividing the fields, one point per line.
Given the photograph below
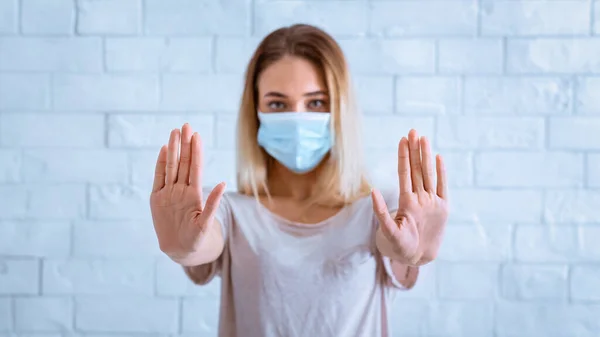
x=196 y=163
x=415 y=161
x=212 y=202
x=386 y=222
x=442 y=184
x=173 y=157
x=404 y=167
x=185 y=155
x=161 y=170
x=426 y=164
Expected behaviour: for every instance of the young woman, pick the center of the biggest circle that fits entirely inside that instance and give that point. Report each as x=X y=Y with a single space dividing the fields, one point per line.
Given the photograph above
x=305 y=247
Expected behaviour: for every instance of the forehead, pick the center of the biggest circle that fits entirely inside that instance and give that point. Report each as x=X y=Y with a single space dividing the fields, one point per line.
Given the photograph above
x=291 y=75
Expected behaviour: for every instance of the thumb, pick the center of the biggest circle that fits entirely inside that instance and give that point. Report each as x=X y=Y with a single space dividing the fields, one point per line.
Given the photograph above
x=212 y=203
x=386 y=222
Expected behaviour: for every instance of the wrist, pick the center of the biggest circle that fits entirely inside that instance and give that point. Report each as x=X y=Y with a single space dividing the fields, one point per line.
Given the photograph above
x=387 y=248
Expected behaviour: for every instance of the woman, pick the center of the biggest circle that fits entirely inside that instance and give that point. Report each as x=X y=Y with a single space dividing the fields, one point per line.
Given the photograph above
x=304 y=247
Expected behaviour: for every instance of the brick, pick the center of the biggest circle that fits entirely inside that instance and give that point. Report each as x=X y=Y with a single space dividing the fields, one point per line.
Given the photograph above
x=24 y=91
x=530 y=282
x=517 y=96
x=426 y=287
x=48 y=238
x=219 y=166
x=226 y=131
x=183 y=92
x=57 y=130
x=386 y=132
x=136 y=239
x=534 y=18
x=18 y=276
x=171 y=280
x=596 y=13
x=481 y=205
x=476 y=243
x=375 y=94
x=574 y=133
x=584 y=283
x=593 y=169
x=428 y=95
x=587 y=102
x=191 y=17
x=233 y=53
x=43 y=314
x=9 y=16
x=414 y=315
x=6 y=314
x=415 y=18
x=470 y=56
x=66 y=201
x=461 y=166
x=119 y=202
x=144 y=131
x=60 y=54
x=157 y=54
x=589 y=237
x=386 y=57
x=143 y=165
x=546 y=319
x=41 y=17
x=39 y=334
x=270 y=16
x=98 y=277
x=461 y=319
x=548 y=169
x=545 y=244
x=383 y=167
x=75 y=166
x=200 y=315
x=467 y=281
x=553 y=55
x=568 y=206
x=127 y=315
x=125 y=17
x=472 y=132
x=15 y=204
x=106 y=92
x=10 y=166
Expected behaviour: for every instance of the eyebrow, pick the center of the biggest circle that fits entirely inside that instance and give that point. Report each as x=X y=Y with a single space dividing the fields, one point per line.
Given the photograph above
x=278 y=94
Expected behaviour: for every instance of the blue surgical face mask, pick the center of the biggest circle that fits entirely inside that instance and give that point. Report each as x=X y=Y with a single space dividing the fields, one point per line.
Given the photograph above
x=298 y=140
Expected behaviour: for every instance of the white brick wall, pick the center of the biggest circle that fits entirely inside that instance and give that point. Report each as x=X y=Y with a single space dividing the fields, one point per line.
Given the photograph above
x=506 y=90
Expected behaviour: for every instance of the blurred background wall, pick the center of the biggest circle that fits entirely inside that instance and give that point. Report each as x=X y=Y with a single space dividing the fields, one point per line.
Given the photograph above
x=508 y=92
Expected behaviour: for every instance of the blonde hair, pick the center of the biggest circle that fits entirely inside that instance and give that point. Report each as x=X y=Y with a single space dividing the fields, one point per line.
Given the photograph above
x=341 y=179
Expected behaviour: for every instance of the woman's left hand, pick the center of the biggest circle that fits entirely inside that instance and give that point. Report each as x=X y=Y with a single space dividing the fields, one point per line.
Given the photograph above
x=415 y=231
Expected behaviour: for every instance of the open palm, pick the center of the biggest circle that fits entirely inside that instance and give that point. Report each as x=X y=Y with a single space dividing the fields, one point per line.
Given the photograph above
x=180 y=219
x=416 y=230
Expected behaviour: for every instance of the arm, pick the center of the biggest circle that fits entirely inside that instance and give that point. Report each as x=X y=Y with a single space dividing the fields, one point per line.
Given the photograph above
x=411 y=235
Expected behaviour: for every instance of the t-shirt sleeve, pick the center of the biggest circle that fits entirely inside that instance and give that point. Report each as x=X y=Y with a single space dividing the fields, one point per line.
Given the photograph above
x=389 y=278
x=205 y=273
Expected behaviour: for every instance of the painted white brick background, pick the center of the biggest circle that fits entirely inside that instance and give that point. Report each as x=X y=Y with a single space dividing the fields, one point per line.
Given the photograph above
x=508 y=92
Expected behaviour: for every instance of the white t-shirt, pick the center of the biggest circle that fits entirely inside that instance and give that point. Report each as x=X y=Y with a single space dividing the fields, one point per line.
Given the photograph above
x=285 y=279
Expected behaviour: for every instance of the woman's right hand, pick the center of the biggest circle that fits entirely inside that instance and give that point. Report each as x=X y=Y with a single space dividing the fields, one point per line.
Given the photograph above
x=181 y=221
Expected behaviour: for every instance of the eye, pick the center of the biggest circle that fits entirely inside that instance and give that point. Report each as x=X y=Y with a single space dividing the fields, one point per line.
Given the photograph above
x=317 y=104
x=276 y=105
